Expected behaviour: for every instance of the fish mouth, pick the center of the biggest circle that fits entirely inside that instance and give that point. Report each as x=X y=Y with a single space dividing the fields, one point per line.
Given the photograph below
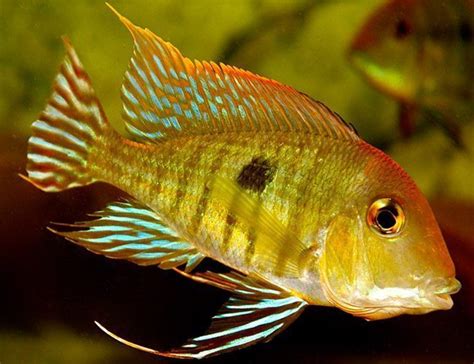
x=372 y=311
x=441 y=299
x=451 y=287
x=421 y=301
x=439 y=302
x=383 y=303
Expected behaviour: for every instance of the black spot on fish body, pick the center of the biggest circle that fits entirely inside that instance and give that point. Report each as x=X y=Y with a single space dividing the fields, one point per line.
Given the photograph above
x=256 y=175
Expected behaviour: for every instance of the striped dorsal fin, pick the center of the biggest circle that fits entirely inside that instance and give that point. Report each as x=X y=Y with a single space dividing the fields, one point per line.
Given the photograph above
x=256 y=312
x=165 y=94
x=133 y=232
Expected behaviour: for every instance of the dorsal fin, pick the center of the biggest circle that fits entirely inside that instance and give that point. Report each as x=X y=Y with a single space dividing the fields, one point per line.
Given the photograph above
x=165 y=94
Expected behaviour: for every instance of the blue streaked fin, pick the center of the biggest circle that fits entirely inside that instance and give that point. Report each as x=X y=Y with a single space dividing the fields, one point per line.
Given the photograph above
x=131 y=231
x=256 y=312
x=165 y=94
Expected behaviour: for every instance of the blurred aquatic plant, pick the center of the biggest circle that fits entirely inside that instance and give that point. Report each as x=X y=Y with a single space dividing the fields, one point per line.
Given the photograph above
x=440 y=168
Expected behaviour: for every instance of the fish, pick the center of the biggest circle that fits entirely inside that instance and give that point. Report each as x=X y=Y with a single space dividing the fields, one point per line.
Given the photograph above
x=420 y=53
x=227 y=165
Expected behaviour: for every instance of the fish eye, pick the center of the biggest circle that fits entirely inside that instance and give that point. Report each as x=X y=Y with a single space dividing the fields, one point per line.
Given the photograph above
x=386 y=217
x=402 y=29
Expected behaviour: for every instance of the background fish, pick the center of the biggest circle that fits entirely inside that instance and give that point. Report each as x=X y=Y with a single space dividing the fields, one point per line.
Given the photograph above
x=421 y=52
x=251 y=173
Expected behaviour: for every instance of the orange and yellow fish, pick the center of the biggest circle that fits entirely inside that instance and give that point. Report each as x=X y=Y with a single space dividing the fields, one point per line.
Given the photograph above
x=236 y=167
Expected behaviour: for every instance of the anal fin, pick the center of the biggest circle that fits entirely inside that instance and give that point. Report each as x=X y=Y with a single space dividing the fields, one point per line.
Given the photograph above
x=131 y=231
x=255 y=313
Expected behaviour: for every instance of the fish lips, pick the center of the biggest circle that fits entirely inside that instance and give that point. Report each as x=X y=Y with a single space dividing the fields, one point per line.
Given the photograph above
x=441 y=297
x=448 y=287
x=433 y=303
x=383 y=303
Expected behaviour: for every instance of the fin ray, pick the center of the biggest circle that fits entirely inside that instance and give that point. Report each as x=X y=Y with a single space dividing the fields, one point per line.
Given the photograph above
x=131 y=231
x=165 y=93
x=67 y=130
x=256 y=312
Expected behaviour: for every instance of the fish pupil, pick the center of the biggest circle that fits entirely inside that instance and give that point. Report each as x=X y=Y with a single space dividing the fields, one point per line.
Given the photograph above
x=402 y=29
x=465 y=32
x=256 y=175
x=386 y=219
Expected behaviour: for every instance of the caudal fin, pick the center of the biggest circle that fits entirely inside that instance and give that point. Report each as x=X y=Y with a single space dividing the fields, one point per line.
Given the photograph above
x=67 y=131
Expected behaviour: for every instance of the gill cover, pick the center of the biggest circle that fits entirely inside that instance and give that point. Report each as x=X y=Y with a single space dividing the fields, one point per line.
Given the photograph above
x=344 y=265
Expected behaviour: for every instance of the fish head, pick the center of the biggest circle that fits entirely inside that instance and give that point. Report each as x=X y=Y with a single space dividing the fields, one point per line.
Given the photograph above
x=384 y=254
x=385 y=49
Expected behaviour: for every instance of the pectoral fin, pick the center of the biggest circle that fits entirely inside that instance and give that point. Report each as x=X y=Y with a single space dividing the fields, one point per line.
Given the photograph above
x=257 y=312
x=131 y=231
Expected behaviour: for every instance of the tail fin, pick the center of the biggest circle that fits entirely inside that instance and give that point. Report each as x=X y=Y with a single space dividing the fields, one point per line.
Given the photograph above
x=66 y=132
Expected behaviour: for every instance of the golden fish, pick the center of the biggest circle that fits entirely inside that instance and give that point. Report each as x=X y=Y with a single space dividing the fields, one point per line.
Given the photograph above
x=251 y=173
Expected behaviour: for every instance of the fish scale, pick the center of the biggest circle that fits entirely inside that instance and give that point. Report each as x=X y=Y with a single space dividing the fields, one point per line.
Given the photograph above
x=182 y=174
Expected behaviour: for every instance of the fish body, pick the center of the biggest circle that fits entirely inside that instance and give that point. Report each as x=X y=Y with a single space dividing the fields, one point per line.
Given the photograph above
x=251 y=173
x=182 y=170
x=420 y=52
